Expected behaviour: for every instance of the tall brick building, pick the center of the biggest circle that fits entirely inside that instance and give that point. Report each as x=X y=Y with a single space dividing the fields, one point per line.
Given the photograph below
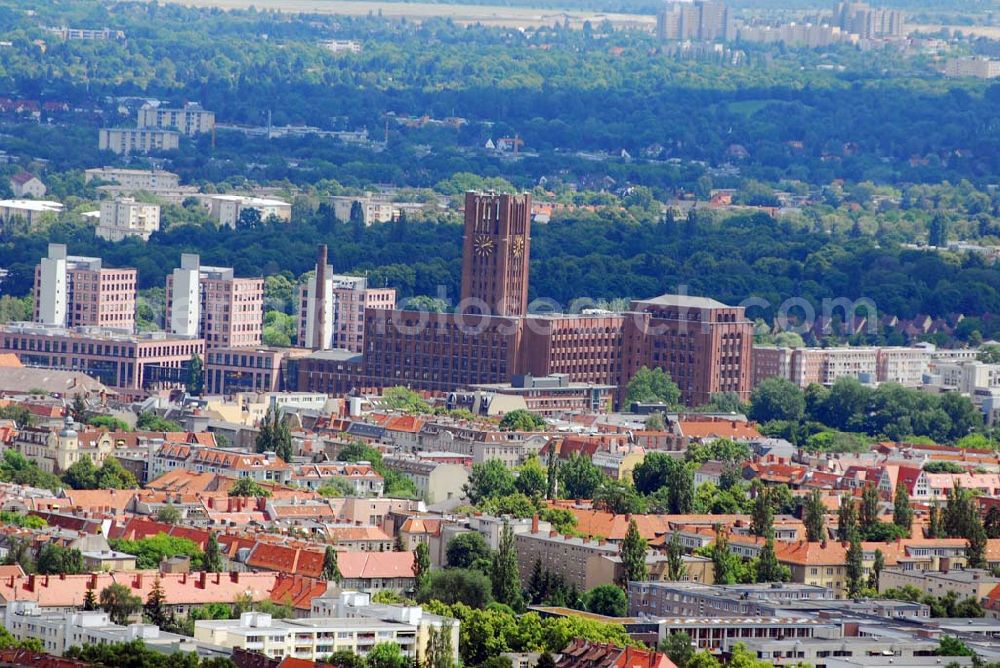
x=495 y=254
x=74 y=291
x=703 y=344
x=211 y=303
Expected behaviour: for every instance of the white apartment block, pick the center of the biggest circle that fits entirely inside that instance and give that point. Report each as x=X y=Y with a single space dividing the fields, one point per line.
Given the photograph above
x=226 y=209
x=58 y=631
x=123 y=141
x=965 y=377
x=308 y=638
x=190 y=120
x=123 y=217
x=825 y=366
x=135 y=179
x=30 y=211
x=980 y=68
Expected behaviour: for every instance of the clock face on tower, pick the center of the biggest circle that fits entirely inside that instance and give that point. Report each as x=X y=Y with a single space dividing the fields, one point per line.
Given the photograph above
x=517 y=246
x=483 y=245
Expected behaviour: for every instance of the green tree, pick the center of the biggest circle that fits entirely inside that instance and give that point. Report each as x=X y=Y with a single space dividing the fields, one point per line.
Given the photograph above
x=467 y=550
x=952 y=646
x=813 y=517
x=768 y=568
x=89 y=600
x=212 y=559
x=676 y=569
x=117 y=600
x=275 y=436
x=55 y=559
x=112 y=475
x=195 y=382
x=934 y=521
x=458 y=585
x=150 y=551
x=723 y=560
x=902 y=514
x=678 y=647
x=776 y=399
x=421 y=565
x=386 y=655
x=156 y=606
x=248 y=487
x=152 y=422
x=869 y=506
x=521 y=420
x=992 y=522
x=552 y=475
x=975 y=550
x=168 y=514
x=82 y=474
x=878 y=565
x=855 y=569
x=532 y=479
x=439 y=652
x=607 y=600
x=504 y=576
x=652 y=386
x=762 y=514
x=847 y=518
x=579 y=477
x=633 y=553
x=331 y=569
x=618 y=497
x=108 y=423
x=487 y=480
x=404 y=399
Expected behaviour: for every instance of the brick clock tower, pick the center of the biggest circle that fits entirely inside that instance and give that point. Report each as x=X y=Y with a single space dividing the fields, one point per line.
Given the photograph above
x=495 y=253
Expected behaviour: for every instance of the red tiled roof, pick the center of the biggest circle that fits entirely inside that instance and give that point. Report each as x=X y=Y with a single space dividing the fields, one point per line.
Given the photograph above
x=367 y=565
x=733 y=429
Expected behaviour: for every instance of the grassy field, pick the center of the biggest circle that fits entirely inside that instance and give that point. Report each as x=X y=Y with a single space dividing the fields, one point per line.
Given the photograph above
x=515 y=17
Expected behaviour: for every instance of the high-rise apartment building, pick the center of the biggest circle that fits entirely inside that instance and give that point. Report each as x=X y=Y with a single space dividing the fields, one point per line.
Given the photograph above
x=701 y=20
x=191 y=119
x=123 y=217
x=862 y=19
x=495 y=253
x=73 y=291
x=209 y=302
x=343 y=313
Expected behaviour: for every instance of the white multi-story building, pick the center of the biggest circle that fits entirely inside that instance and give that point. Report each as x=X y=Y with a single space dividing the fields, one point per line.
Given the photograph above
x=310 y=638
x=210 y=301
x=123 y=141
x=123 y=217
x=347 y=298
x=30 y=211
x=980 y=68
x=190 y=120
x=226 y=209
x=136 y=179
x=58 y=631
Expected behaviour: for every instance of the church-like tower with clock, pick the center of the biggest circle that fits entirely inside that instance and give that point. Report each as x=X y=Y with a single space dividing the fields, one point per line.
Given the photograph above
x=495 y=254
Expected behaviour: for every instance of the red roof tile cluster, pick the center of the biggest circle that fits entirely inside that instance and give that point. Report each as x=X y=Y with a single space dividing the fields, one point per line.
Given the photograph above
x=585 y=654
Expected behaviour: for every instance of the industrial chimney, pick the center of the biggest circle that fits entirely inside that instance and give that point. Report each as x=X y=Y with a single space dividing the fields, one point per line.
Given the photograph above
x=319 y=311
